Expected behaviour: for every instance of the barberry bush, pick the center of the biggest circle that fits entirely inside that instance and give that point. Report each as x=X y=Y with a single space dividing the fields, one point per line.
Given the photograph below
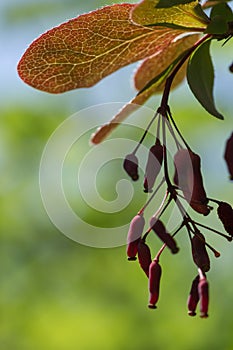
x=172 y=39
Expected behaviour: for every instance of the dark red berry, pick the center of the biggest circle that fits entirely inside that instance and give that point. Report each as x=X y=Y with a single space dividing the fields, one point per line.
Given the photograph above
x=134 y=236
x=203 y=290
x=160 y=230
x=199 y=252
x=228 y=155
x=225 y=214
x=132 y=250
x=153 y=166
x=193 y=297
x=144 y=256
x=131 y=166
x=155 y=272
x=188 y=178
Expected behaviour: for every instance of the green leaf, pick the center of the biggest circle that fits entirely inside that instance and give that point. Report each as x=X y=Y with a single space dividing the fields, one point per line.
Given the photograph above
x=212 y=3
x=170 y=3
x=223 y=10
x=220 y=15
x=217 y=26
x=200 y=75
x=188 y=15
x=157 y=81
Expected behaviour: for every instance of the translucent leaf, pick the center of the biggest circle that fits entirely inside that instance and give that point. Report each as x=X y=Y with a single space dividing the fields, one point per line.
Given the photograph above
x=152 y=87
x=200 y=75
x=82 y=51
x=169 y=3
x=154 y=65
x=185 y=15
x=129 y=108
x=158 y=66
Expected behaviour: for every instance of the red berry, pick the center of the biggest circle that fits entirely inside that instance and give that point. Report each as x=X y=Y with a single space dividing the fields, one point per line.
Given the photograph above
x=153 y=166
x=199 y=252
x=131 y=166
x=160 y=230
x=144 y=256
x=155 y=272
x=134 y=236
x=188 y=178
x=203 y=290
x=193 y=297
x=228 y=155
x=225 y=214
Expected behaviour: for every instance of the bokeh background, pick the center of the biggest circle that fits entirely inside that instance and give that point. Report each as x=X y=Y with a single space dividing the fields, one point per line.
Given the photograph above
x=56 y=294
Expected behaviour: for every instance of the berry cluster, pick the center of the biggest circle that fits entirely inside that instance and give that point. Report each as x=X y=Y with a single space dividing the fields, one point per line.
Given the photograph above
x=186 y=187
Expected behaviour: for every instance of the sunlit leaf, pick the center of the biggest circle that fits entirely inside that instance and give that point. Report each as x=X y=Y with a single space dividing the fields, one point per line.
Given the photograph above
x=185 y=15
x=169 y=3
x=85 y=49
x=200 y=75
x=154 y=65
x=133 y=105
x=129 y=108
x=155 y=85
x=154 y=72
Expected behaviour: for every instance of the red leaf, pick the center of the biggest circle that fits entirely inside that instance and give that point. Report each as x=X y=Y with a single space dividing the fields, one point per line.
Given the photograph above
x=85 y=49
x=154 y=65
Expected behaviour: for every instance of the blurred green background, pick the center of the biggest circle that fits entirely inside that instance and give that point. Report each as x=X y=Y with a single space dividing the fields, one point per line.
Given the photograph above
x=57 y=294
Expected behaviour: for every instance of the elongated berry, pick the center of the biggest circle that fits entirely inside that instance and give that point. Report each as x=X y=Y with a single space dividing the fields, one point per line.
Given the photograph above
x=131 y=166
x=144 y=256
x=193 y=297
x=153 y=166
x=225 y=214
x=228 y=155
x=132 y=250
x=160 y=230
x=199 y=252
x=203 y=290
x=155 y=273
x=188 y=178
x=134 y=235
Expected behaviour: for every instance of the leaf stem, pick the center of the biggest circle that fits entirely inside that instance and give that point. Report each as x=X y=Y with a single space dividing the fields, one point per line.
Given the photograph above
x=171 y=77
x=141 y=211
x=145 y=133
x=176 y=128
x=229 y=238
